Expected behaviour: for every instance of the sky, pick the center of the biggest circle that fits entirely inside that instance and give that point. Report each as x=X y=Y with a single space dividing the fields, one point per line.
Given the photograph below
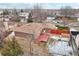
x=44 y=5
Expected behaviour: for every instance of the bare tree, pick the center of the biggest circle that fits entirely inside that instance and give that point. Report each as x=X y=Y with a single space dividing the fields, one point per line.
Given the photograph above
x=38 y=13
x=15 y=12
x=67 y=11
x=16 y=15
x=5 y=12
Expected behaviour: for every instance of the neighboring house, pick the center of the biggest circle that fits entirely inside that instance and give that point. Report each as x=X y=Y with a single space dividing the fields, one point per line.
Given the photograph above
x=1 y=12
x=6 y=19
x=13 y=18
x=49 y=18
x=75 y=24
x=57 y=21
x=23 y=19
x=23 y=16
x=60 y=34
x=54 y=19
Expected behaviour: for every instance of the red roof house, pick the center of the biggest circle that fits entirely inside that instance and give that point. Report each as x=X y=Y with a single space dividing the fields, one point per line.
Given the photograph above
x=58 y=31
x=42 y=38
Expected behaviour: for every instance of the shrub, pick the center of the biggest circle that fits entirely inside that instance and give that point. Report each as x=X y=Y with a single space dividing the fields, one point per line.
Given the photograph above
x=17 y=20
x=11 y=49
x=62 y=27
x=29 y=20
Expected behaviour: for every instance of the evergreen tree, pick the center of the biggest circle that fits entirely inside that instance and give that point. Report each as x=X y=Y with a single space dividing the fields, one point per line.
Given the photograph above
x=5 y=12
x=29 y=18
x=22 y=10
